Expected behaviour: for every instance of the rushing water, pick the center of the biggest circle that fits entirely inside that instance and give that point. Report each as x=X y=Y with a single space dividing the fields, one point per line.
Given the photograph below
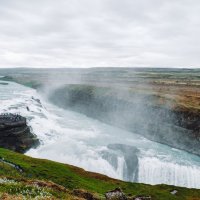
x=73 y=138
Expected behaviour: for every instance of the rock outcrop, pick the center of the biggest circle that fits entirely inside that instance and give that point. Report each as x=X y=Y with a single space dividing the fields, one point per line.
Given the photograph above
x=137 y=113
x=117 y=194
x=15 y=133
x=83 y=194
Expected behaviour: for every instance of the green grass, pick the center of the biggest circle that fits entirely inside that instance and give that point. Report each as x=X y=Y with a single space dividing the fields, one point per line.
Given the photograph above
x=29 y=191
x=75 y=178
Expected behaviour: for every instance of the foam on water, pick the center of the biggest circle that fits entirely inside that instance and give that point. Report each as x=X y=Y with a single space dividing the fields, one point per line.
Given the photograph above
x=154 y=171
x=73 y=138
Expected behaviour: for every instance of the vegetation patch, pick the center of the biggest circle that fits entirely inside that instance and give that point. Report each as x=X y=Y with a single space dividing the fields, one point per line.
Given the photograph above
x=43 y=179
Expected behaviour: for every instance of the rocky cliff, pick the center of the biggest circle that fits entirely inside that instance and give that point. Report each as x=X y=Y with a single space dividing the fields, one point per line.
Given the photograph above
x=135 y=112
x=15 y=133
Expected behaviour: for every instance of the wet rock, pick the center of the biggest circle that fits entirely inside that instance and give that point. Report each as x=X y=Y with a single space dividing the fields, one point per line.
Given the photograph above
x=38 y=101
x=139 y=114
x=15 y=133
x=17 y=167
x=115 y=194
x=3 y=83
x=83 y=194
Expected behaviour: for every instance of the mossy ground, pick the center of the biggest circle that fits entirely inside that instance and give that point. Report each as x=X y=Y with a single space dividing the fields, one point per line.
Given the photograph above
x=76 y=178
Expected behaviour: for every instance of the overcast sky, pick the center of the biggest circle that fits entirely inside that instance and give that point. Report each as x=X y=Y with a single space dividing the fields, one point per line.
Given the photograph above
x=92 y=33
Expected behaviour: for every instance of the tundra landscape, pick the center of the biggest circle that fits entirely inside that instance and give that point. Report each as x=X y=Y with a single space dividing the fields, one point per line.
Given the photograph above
x=136 y=125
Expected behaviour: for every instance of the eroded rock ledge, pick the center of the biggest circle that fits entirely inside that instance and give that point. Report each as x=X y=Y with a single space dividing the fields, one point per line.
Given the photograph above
x=135 y=112
x=15 y=133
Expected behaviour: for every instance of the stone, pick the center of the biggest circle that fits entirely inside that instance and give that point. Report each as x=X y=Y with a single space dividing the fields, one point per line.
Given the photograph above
x=115 y=194
x=15 y=134
x=173 y=192
x=83 y=194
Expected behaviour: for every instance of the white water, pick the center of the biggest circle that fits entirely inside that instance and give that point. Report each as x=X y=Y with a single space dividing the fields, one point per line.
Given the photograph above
x=73 y=138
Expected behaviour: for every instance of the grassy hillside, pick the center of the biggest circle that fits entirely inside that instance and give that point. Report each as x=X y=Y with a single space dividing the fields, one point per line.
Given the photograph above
x=46 y=179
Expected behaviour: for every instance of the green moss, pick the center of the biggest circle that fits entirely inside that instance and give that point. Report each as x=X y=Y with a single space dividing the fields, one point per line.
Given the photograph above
x=72 y=177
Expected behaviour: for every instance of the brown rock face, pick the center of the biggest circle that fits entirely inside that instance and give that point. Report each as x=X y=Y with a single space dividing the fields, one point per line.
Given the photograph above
x=134 y=112
x=15 y=133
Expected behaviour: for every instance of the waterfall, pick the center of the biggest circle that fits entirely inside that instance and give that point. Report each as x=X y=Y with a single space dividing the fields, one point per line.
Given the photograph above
x=154 y=171
x=73 y=138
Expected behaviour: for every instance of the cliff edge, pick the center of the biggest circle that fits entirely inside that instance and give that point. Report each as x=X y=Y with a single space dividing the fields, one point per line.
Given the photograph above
x=15 y=133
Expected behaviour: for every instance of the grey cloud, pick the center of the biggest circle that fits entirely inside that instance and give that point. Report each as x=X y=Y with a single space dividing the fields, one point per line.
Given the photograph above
x=91 y=33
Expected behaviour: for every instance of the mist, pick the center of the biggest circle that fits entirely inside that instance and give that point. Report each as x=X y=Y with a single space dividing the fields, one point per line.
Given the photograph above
x=132 y=108
x=118 y=122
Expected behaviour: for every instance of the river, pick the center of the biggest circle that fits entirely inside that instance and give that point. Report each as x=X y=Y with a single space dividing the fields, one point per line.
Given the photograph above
x=76 y=139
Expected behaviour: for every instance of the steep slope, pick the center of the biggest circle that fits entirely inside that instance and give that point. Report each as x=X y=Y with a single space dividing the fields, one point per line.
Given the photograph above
x=136 y=111
x=62 y=181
